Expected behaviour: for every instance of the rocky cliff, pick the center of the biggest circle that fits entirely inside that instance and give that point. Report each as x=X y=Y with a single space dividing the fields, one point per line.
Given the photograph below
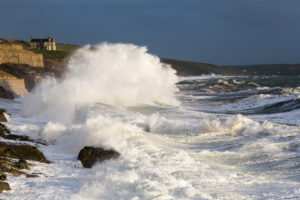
x=31 y=75
x=13 y=84
x=12 y=53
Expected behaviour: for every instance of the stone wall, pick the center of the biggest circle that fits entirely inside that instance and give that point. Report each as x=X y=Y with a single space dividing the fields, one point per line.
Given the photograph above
x=17 y=55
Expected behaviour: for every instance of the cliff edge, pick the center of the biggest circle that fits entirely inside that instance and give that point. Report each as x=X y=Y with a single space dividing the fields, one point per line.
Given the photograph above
x=13 y=53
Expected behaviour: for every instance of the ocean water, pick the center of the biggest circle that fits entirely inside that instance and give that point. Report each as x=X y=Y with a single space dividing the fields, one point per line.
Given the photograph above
x=206 y=137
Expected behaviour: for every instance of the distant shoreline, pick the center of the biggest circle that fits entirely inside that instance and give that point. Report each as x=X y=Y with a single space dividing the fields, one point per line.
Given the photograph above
x=186 y=68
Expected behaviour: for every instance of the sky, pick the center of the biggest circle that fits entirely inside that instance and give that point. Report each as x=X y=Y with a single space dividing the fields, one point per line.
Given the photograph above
x=223 y=32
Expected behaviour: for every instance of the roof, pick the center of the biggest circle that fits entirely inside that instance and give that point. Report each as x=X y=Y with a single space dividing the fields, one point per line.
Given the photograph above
x=42 y=39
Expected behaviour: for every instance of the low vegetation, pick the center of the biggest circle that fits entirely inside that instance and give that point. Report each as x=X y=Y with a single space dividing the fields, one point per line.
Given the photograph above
x=67 y=47
x=62 y=50
x=25 y=44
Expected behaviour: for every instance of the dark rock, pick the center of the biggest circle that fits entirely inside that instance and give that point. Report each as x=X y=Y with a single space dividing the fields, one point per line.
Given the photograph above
x=21 y=151
x=2 y=115
x=90 y=155
x=5 y=94
x=18 y=137
x=5 y=133
x=10 y=151
x=4 y=186
x=16 y=172
x=22 y=164
x=12 y=167
x=3 y=130
x=32 y=175
x=3 y=177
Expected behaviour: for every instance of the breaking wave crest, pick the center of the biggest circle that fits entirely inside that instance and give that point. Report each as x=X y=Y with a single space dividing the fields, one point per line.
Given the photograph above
x=115 y=74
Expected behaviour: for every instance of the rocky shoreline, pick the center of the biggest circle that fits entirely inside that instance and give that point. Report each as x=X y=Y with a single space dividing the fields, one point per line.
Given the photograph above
x=17 y=152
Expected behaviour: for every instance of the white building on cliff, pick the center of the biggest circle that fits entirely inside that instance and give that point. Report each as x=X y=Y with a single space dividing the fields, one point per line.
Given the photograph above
x=43 y=43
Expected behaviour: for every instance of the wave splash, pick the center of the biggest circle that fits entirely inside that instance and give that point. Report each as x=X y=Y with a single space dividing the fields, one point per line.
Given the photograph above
x=115 y=74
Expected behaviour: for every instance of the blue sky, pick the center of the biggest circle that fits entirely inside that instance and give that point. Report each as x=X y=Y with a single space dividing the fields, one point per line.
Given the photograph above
x=213 y=31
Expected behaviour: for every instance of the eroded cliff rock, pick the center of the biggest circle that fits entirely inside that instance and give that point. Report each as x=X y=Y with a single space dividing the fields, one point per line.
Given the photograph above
x=12 y=53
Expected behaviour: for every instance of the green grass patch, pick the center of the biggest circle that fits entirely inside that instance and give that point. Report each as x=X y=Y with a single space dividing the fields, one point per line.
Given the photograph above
x=53 y=54
x=19 y=42
x=62 y=51
x=67 y=47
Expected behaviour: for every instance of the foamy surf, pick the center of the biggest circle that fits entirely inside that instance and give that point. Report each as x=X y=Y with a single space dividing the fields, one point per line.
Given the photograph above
x=119 y=96
x=112 y=74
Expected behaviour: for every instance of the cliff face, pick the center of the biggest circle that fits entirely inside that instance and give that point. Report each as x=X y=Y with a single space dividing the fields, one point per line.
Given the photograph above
x=31 y=75
x=16 y=86
x=13 y=84
x=16 y=54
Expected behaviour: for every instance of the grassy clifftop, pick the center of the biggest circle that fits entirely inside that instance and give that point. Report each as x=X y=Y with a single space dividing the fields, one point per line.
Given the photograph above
x=62 y=50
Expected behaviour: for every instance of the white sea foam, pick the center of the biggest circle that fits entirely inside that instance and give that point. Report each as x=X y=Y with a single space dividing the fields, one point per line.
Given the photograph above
x=201 y=77
x=113 y=97
x=114 y=74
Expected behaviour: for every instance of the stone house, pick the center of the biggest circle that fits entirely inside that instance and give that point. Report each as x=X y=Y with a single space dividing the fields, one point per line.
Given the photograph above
x=43 y=43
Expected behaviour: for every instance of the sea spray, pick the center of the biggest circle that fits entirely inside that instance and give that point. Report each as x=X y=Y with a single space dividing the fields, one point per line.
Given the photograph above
x=121 y=75
x=170 y=152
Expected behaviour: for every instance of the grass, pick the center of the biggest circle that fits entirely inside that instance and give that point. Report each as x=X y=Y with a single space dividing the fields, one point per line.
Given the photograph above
x=25 y=44
x=67 y=47
x=53 y=54
x=63 y=50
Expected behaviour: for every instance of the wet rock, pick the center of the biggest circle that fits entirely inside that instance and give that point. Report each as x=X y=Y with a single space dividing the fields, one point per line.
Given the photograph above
x=32 y=175
x=4 y=186
x=90 y=155
x=3 y=130
x=5 y=94
x=18 y=137
x=3 y=177
x=16 y=172
x=5 y=133
x=13 y=155
x=22 y=164
x=12 y=167
x=3 y=115
x=21 y=151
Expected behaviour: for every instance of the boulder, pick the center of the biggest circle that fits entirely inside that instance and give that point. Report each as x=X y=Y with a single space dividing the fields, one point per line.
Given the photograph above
x=4 y=186
x=90 y=155
x=21 y=151
x=3 y=115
